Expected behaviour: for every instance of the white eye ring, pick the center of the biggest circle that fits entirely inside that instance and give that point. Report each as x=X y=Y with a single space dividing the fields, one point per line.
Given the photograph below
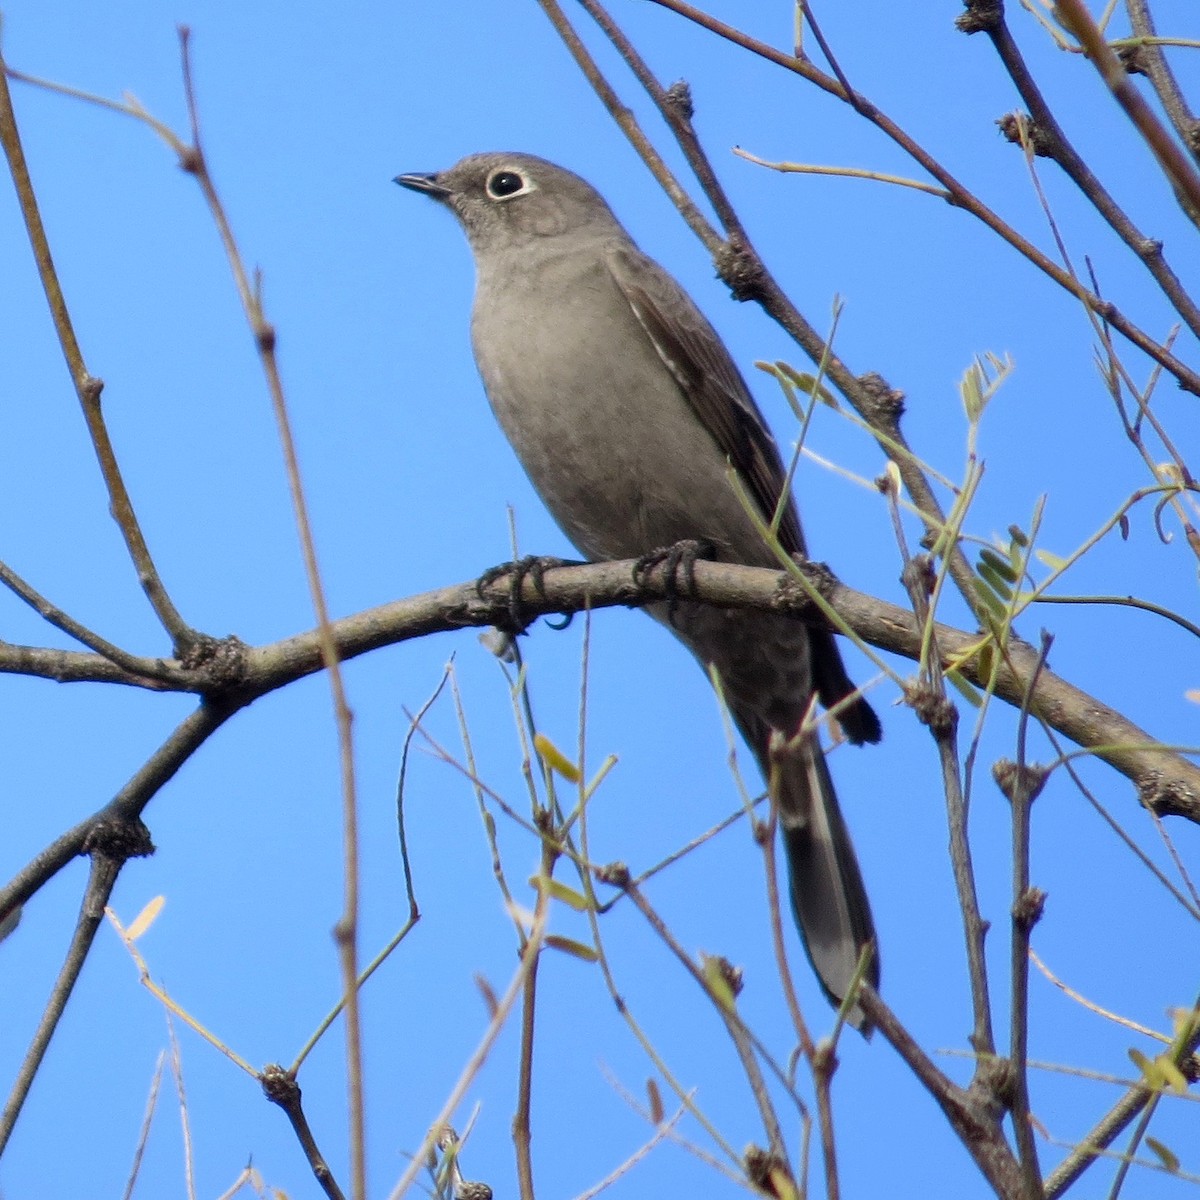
x=507 y=184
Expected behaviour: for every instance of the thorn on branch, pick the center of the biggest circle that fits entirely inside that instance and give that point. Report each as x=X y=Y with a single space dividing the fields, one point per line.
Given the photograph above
x=90 y=391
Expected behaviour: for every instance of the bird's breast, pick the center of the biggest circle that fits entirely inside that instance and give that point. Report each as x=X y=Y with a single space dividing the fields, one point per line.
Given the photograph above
x=600 y=425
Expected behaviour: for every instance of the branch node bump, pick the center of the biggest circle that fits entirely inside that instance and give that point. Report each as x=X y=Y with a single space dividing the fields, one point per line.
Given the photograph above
x=932 y=709
x=768 y=1172
x=882 y=404
x=679 y=97
x=982 y=16
x=615 y=873
x=740 y=268
x=1027 y=911
x=221 y=662
x=1022 y=130
x=1019 y=783
x=118 y=839
x=280 y=1086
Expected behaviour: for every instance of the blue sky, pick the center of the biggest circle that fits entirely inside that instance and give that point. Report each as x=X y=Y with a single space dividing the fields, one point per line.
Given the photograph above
x=307 y=115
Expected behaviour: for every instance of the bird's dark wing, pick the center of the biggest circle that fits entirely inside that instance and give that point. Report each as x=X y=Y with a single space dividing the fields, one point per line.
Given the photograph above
x=706 y=375
x=717 y=393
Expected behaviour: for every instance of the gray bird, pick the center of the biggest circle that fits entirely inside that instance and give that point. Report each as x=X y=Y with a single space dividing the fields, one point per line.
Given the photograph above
x=627 y=412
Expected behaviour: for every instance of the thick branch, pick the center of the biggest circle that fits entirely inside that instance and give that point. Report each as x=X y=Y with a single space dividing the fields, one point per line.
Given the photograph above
x=1166 y=781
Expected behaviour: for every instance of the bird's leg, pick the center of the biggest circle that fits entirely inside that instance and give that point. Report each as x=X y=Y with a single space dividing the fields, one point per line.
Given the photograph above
x=515 y=573
x=678 y=562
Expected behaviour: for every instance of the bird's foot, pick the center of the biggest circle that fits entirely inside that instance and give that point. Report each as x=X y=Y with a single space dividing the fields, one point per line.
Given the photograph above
x=514 y=574
x=678 y=563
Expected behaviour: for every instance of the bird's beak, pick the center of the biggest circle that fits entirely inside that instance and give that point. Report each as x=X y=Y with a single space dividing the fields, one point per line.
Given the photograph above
x=423 y=183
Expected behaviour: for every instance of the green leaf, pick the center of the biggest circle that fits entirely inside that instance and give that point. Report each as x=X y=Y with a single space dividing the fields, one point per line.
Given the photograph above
x=811 y=386
x=559 y=891
x=965 y=688
x=994 y=580
x=987 y=660
x=573 y=948
x=1151 y=1075
x=1050 y=560
x=718 y=985
x=995 y=606
x=1173 y=1076
x=972 y=393
x=980 y=382
x=1002 y=566
x=1166 y=1156
x=555 y=759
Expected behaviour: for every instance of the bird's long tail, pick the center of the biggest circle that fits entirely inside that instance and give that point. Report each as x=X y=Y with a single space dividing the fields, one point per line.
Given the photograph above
x=829 y=899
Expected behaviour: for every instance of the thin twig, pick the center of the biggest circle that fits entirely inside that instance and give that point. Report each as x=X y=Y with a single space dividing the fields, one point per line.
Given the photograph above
x=522 y=1125
x=960 y=196
x=1053 y=141
x=185 y=1123
x=87 y=386
x=101 y=880
x=346 y=928
x=1024 y=786
x=663 y=1130
x=744 y=1043
x=125 y=808
x=150 y=669
x=499 y=1018
x=796 y=168
x=1117 y=1119
x=1181 y=172
x=281 y=1088
x=1162 y=78
x=144 y=1133
x=1127 y=602
x=971 y=1116
x=932 y=707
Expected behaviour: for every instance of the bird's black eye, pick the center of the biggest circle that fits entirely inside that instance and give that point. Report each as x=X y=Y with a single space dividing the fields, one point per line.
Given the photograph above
x=505 y=183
